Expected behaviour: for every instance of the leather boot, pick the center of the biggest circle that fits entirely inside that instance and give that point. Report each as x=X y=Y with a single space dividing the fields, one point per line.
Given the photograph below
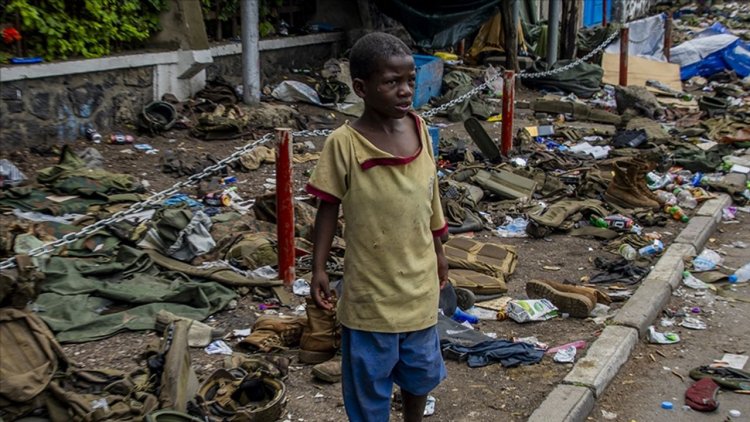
x=623 y=190
x=274 y=332
x=321 y=337
x=329 y=371
x=642 y=168
x=577 y=301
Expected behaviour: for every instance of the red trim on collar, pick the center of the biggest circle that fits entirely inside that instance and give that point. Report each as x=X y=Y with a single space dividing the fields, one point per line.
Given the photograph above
x=440 y=232
x=396 y=161
x=323 y=196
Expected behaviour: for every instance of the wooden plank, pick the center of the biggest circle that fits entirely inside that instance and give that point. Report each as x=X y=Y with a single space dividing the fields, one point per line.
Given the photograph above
x=640 y=70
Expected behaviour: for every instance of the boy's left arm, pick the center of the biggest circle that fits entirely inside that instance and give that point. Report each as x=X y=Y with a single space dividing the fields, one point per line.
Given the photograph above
x=442 y=261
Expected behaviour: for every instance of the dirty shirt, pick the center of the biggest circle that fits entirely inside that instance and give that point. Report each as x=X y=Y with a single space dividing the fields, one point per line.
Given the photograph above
x=392 y=210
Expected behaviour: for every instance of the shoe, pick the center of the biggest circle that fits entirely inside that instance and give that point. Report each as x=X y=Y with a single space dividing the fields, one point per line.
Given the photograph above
x=623 y=190
x=328 y=371
x=570 y=300
x=289 y=328
x=594 y=295
x=264 y=341
x=642 y=167
x=321 y=336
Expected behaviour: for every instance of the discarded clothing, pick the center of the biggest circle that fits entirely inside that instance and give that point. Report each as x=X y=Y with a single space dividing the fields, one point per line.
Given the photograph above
x=583 y=80
x=618 y=271
x=84 y=300
x=509 y=354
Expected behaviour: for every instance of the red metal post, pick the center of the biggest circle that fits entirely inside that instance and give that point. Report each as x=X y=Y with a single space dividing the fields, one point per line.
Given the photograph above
x=285 y=205
x=460 y=48
x=509 y=99
x=624 y=42
x=604 y=12
x=668 y=36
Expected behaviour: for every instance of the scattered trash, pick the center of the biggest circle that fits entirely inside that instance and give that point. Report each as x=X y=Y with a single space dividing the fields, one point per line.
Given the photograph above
x=690 y=281
x=693 y=323
x=566 y=355
x=218 y=347
x=707 y=260
x=667 y=405
x=531 y=310
x=662 y=338
x=429 y=407
x=301 y=287
x=578 y=344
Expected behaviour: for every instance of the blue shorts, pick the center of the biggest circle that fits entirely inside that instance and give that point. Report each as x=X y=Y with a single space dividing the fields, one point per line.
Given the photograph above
x=372 y=362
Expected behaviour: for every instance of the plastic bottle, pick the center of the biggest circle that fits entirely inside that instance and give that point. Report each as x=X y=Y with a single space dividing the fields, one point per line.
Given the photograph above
x=707 y=260
x=627 y=252
x=619 y=222
x=741 y=275
x=461 y=316
x=696 y=180
x=597 y=221
x=685 y=199
x=689 y=280
x=654 y=248
x=676 y=213
x=93 y=136
x=666 y=198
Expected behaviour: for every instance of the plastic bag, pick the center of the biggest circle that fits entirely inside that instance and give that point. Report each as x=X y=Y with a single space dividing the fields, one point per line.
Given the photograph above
x=531 y=310
x=293 y=91
x=495 y=87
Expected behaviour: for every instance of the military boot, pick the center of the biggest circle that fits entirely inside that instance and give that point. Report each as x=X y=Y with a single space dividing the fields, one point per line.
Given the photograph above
x=578 y=301
x=642 y=168
x=321 y=337
x=329 y=371
x=274 y=333
x=623 y=190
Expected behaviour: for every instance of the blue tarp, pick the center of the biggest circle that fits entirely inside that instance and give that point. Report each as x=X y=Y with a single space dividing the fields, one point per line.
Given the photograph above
x=712 y=50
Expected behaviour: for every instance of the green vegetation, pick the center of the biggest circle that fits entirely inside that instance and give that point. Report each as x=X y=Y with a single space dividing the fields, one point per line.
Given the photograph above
x=59 y=29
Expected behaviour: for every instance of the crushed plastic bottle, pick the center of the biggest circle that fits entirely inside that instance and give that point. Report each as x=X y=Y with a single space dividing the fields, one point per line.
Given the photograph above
x=707 y=260
x=690 y=281
x=627 y=252
x=666 y=198
x=685 y=199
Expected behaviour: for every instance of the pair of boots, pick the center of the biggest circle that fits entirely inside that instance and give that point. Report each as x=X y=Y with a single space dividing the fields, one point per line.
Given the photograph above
x=321 y=339
x=628 y=188
x=577 y=301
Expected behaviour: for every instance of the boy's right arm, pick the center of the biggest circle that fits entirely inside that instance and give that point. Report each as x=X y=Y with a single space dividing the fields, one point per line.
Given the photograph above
x=325 y=228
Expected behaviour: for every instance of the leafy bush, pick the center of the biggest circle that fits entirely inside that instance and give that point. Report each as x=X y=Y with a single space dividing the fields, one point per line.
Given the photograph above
x=59 y=29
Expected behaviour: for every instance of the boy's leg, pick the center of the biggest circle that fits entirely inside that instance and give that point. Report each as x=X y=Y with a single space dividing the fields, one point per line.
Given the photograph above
x=419 y=370
x=413 y=406
x=367 y=362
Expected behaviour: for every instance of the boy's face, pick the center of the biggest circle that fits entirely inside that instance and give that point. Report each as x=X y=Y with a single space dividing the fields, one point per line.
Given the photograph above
x=390 y=88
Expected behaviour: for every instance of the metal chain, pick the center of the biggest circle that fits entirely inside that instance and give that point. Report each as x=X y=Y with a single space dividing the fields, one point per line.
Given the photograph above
x=573 y=64
x=158 y=197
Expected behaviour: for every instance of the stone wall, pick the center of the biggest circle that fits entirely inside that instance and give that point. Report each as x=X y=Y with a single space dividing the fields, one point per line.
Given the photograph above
x=55 y=109
x=274 y=63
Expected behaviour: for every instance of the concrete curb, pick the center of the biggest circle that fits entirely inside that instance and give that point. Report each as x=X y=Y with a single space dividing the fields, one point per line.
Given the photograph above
x=591 y=375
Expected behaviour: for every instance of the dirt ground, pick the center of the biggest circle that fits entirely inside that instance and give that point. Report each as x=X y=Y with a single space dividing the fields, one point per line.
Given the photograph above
x=490 y=393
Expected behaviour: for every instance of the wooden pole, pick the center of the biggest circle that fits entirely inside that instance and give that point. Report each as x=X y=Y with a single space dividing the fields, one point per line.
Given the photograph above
x=509 y=98
x=668 y=36
x=624 y=42
x=285 y=205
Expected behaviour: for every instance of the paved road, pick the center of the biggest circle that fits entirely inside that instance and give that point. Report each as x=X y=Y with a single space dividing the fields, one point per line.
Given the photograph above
x=648 y=378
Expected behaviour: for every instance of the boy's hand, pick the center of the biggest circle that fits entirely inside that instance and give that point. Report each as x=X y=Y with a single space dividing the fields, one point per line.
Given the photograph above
x=442 y=262
x=320 y=291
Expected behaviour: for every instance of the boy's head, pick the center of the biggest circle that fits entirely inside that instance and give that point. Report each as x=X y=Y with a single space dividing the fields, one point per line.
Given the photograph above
x=371 y=51
x=383 y=74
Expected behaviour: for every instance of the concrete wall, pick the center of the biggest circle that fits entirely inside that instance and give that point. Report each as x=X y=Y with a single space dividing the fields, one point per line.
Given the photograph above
x=36 y=111
x=274 y=63
x=54 y=102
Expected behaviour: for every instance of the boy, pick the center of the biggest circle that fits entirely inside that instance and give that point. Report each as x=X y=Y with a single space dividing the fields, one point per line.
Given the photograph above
x=380 y=168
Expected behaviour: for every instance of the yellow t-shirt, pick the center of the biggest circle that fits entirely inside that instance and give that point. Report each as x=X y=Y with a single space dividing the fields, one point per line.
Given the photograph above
x=392 y=210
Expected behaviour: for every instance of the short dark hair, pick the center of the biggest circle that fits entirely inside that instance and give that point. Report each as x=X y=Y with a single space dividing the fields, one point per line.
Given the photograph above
x=370 y=51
